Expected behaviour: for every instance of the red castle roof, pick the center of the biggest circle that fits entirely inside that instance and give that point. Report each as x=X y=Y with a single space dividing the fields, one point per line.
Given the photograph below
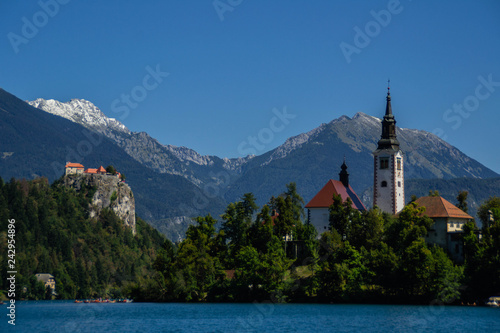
x=91 y=171
x=101 y=169
x=74 y=165
x=324 y=198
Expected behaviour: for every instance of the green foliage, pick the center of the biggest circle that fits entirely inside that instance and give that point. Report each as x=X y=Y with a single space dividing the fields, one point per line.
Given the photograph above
x=237 y=221
x=364 y=257
x=462 y=201
x=482 y=261
x=488 y=210
x=111 y=169
x=54 y=234
x=113 y=197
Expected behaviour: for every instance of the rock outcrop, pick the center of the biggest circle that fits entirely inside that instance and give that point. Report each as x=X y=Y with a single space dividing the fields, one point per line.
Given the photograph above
x=110 y=193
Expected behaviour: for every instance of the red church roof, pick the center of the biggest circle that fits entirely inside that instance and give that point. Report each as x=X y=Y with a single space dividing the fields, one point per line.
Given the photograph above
x=324 y=198
x=440 y=207
x=74 y=165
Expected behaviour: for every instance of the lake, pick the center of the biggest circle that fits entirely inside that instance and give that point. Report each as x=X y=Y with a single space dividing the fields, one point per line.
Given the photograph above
x=66 y=316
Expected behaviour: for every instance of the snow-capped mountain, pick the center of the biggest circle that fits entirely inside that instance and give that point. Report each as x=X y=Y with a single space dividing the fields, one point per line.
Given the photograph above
x=81 y=112
x=181 y=161
x=309 y=159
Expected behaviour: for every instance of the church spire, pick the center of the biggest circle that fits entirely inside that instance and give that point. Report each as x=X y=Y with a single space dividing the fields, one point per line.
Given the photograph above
x=388 y=139
x=344 y=175
x=388 y=107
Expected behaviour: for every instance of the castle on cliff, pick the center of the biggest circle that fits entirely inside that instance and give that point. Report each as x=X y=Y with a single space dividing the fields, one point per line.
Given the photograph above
x=77 y=168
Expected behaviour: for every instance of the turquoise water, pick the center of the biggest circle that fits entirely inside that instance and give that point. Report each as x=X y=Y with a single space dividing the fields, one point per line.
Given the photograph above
x=62 y=316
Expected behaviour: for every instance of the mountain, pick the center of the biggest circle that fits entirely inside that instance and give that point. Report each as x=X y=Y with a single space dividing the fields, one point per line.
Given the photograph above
x=35 y=143
x=140 y=146
x=312 y=158
x=172 y=184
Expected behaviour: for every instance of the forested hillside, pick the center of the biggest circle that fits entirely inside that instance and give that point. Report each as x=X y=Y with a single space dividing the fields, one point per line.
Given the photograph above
x=96 y=257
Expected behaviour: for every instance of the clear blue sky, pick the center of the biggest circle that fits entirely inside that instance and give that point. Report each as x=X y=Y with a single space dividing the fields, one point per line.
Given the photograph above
x=229 y=67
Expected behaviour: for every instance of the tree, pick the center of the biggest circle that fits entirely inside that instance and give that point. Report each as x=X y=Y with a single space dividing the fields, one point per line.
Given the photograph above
x=462 y=201
x=342 y=216
x=289 y=206
x=296 y=201
x=367 y=228
x=434 y=193
x=412 y=225
x=237 y=221
x=344 y=274
x=488 y=210
x=111 y=169
x=261 y=232
x=482 y=261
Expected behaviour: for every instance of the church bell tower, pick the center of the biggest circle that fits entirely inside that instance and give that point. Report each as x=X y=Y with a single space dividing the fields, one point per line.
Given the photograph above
x=388 y=182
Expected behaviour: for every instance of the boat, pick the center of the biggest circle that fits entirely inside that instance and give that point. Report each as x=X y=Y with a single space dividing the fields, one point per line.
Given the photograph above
x=77 y=301
x=493 y=302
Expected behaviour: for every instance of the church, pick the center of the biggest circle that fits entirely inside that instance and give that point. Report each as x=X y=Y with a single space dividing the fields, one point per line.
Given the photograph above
x=388 y=180
x=389 y=194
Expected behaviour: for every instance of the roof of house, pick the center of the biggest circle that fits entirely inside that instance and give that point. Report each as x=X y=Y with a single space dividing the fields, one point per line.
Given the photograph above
x=101 y=169
x=89 y=170
x=324 y=198
x=440 y=207
x=74 y=165
x=229 y=273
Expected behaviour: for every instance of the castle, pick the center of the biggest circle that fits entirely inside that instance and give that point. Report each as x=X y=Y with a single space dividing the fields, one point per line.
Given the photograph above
x=77 y=168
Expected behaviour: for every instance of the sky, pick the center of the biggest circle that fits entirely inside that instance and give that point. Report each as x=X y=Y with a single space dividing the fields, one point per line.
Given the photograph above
x=233 y=77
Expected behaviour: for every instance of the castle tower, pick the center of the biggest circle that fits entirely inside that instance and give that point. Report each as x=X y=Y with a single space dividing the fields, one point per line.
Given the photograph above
x=388 y=182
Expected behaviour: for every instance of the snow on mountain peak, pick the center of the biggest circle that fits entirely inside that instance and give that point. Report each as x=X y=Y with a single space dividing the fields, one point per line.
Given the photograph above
x=80 y=111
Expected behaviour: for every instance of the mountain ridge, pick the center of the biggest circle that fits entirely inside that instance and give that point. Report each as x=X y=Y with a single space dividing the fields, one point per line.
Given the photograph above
x=173 y=183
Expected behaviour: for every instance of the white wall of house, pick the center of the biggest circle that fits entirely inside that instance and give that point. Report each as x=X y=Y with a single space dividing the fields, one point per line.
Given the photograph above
x=319 y=218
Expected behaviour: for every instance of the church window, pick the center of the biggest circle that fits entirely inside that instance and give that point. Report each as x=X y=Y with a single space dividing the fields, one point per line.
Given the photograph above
x=399 y=184
x=399 y=163
x=384 y=163
x=384 y=184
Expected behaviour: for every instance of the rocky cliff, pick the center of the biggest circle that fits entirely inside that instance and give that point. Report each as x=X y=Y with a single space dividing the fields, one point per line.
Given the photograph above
x=110 y=192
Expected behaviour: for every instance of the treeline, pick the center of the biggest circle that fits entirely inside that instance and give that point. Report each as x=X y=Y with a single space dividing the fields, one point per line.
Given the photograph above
x=98 y=257
x=271 y=255
x=251 y=254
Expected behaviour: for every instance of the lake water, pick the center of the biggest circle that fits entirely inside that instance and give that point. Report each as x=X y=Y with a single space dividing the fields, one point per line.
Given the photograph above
x=65 y=316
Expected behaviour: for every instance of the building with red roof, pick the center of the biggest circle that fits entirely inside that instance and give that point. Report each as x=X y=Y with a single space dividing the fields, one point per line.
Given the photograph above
x=73 y=168
x=91 y=171
x=101 y=170
x=448 y=224
x=317 y=209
